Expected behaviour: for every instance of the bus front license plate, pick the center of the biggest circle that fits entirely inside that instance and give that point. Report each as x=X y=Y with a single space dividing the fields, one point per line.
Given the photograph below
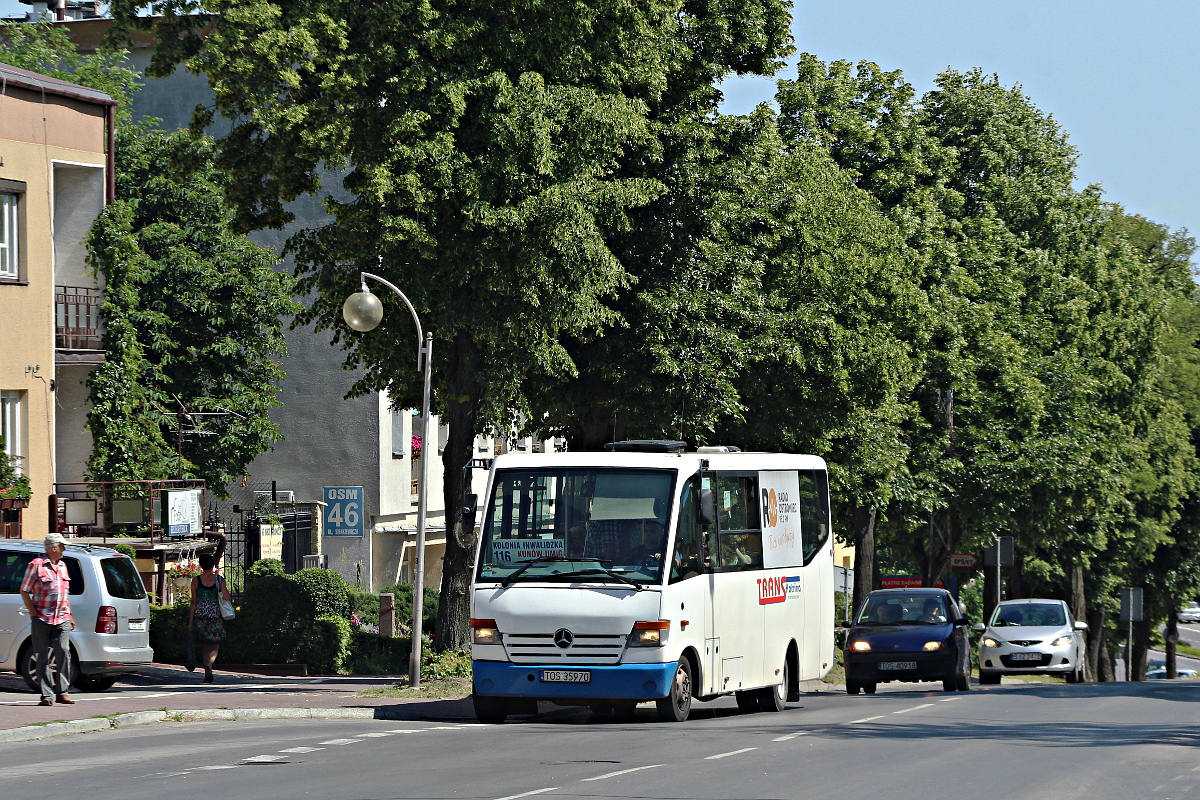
x=565 y=676
x=898 y=665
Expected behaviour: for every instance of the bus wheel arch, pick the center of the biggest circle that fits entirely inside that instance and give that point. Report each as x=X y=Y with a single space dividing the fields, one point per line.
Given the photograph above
x=793 y=664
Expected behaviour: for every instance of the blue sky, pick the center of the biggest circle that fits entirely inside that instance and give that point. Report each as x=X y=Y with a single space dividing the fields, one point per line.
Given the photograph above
x=1121 y=78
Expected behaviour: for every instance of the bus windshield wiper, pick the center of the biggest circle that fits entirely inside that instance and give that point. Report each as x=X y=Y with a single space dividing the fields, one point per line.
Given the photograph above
x=512 y=576
x=601 y=571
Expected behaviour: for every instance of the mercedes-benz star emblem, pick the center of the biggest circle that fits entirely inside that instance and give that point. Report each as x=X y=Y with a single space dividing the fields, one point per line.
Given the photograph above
x=563 y=638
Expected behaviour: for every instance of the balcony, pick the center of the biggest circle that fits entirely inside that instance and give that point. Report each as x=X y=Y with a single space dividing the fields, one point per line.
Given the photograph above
x=78 y=336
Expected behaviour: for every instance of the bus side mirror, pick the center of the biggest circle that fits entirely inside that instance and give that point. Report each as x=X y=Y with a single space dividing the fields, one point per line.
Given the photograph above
x=469 y=504
x=708 y=507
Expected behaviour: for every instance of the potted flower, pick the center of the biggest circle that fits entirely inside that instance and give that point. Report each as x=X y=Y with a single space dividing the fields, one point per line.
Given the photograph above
x=416 y=446
x=17 y=495
x=182 y=572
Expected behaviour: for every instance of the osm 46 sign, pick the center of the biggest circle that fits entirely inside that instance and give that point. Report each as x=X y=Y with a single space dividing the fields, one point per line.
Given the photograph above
x=343 y=513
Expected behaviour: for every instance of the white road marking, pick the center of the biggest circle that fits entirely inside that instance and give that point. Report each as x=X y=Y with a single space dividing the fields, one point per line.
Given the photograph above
x=218 y=766
x=948 y=699
x=914 y=708
x=302 y=749
x=444 y=728
x=864 y=719
x=263 y=759
x=409 y=730
x=527 y=794
x=342 y=741
x=373 y=735
x=619 y=772
x=733 y=753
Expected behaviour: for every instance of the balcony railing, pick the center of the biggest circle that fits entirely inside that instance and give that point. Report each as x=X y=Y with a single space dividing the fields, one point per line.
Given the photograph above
x=77 y=318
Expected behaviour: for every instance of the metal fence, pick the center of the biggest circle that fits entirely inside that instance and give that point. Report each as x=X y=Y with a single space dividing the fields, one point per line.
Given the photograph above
x=245 y=533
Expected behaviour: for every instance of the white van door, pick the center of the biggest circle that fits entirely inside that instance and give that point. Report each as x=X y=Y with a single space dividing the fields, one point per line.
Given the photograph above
x=14 y=618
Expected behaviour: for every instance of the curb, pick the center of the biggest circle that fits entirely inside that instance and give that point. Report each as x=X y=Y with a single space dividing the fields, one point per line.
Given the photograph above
x=30 y=733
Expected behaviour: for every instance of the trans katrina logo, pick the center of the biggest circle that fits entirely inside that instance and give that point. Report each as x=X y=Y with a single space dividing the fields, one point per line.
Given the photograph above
x=778 y=589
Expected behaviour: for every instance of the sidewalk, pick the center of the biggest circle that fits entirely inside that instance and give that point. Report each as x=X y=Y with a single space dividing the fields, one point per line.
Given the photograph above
x=166 y=686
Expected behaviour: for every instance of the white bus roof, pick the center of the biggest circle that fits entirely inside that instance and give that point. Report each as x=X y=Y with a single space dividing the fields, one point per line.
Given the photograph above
x=683 y=462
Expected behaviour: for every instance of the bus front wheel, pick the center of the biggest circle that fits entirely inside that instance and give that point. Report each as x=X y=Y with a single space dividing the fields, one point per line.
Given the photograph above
x=676 y=706
x=490 y=710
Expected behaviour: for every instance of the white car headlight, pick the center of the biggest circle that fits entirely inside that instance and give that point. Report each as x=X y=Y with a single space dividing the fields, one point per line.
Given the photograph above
x=989 y=642
x=1061 y=641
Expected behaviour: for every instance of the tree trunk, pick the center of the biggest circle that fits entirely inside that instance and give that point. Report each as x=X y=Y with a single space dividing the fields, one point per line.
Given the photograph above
x=864 y=553
x=1077 y=601
x=1171 y=635
x=1141 y=649
x=1099 y=664
x=462 y=408
x=599 y=426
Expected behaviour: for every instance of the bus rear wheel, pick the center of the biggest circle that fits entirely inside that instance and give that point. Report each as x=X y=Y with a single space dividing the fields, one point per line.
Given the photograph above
x=490 y=710
x=774 y=698
x=676 y=706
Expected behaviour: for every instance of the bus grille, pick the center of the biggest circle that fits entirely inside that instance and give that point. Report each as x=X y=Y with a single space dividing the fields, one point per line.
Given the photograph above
x=539 y=648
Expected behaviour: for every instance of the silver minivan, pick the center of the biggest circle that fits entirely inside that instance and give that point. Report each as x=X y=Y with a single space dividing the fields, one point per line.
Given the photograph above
x=109 y=604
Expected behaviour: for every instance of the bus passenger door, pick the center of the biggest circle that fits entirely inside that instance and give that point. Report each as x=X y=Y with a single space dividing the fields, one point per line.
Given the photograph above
x=737 y=614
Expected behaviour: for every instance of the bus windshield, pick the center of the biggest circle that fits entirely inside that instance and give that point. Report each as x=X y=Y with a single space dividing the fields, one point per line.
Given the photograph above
x=577 y=524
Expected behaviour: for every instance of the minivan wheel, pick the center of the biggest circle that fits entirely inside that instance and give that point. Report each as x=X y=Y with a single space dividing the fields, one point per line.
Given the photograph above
x=27 y=666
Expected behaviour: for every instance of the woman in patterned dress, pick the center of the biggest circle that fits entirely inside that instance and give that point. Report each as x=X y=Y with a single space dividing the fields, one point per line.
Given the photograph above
x=205 y=623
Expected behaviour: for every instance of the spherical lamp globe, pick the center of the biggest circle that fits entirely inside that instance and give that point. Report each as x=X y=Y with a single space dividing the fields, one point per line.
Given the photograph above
x=362 y=311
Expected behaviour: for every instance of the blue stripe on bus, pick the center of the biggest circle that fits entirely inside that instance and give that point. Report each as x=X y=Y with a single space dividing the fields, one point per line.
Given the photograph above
x=618 y=682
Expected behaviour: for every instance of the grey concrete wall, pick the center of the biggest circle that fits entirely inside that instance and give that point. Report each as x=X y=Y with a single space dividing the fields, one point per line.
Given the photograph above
x=72 y=439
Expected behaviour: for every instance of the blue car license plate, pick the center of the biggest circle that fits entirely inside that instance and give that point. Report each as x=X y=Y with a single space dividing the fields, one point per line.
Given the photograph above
x=566 y=676
x=898 y=665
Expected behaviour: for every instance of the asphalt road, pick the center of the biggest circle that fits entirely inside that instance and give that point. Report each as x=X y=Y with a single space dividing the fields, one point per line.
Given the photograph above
x=1095 y=741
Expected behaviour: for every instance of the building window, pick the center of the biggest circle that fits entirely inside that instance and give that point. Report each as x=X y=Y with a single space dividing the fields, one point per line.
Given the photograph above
x=9 y=243
x=10 y=429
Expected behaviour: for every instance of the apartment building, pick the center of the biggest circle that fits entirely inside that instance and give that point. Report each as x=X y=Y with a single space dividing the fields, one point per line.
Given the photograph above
x=56 y=175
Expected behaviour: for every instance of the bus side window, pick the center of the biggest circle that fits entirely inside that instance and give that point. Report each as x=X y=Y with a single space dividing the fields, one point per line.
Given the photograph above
x=814 y=511
x=738 y=519
x=685 y=560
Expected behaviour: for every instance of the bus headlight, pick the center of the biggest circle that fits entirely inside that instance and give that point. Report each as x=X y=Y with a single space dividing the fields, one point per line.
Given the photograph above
x=649 y=634
x=484 y=631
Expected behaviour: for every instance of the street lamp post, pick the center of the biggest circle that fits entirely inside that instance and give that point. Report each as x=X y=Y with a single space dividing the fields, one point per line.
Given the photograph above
x=363 y=312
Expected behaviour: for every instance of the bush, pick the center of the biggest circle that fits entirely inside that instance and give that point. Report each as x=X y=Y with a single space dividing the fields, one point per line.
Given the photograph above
x=326 y=590
x=440 y=666
x=263 y=567
x=326 y=647
x=372 y=654
x=404 y=598
x=274 y=617
x=365 y=605
x=168 y=632
x=125 y=549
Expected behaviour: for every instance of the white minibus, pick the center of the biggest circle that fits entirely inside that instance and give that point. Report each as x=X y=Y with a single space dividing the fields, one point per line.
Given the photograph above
x=650 y=574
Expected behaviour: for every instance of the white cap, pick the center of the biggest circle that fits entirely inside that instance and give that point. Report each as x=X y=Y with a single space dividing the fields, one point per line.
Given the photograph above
x=53 y=539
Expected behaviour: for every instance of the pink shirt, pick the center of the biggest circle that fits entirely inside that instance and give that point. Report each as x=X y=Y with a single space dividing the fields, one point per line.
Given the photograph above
x=50 y=587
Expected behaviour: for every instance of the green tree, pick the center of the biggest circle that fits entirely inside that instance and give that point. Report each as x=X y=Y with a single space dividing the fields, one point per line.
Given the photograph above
x=46 y=48
x=193 y=320
x=480 y=151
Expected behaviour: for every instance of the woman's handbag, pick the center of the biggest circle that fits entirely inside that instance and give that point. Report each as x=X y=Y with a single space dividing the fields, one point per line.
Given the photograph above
x=226 y=606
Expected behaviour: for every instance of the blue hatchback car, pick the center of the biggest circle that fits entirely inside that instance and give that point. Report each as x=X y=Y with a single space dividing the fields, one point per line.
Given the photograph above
x=908 y=635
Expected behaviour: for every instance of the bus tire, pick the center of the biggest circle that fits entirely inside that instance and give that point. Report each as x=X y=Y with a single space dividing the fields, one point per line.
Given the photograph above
x=676 y=706
x=490 y=710
x=774 y=698
x=747 y=701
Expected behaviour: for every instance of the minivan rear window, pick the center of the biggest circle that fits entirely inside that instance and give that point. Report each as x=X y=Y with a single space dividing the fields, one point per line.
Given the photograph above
x=14 y=564
x=122 y=579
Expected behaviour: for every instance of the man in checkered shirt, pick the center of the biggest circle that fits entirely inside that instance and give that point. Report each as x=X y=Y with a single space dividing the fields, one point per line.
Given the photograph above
x=46 y=591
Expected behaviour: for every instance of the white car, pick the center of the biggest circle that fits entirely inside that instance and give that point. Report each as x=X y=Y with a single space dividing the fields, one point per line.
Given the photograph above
x=1190 y=613
x=109 y=604
x=1031 y=637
